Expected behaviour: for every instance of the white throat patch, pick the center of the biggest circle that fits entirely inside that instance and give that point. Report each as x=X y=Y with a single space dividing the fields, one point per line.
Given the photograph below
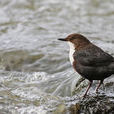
x=71 y=52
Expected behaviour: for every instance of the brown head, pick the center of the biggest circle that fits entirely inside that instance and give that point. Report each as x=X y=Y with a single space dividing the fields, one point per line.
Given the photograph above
x=78 y=40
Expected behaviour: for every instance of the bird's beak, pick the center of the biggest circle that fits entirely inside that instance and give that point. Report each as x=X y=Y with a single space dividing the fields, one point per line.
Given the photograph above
x=62 y=39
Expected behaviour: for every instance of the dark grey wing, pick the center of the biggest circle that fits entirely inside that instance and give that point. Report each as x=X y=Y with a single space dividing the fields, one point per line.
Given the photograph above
x=93 y=56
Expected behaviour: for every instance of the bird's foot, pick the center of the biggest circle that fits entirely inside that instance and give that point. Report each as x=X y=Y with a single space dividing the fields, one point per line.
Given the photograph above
x=97 y=93
x=100 y=92
x=85 y=96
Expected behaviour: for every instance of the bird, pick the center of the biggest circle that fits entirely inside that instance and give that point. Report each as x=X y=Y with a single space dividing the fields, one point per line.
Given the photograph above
x=89 y=60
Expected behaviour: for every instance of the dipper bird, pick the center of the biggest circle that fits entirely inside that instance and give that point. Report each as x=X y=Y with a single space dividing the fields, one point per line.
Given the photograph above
x=90 y=61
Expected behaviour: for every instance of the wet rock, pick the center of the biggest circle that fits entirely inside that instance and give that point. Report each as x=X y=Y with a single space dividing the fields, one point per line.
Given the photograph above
x=75 y=109
x=100 y=104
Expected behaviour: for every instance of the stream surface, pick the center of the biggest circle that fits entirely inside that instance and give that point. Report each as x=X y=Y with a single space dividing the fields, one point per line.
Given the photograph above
x=35 y=73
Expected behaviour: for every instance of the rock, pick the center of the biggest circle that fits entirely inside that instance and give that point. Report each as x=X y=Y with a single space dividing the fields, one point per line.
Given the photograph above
x=100 y=104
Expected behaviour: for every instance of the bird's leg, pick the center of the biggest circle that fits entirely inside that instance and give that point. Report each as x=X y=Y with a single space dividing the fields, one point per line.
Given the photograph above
x=88 y=89
x=101 y=82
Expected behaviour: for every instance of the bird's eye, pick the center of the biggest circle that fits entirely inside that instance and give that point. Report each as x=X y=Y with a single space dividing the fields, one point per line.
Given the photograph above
x=72 y=38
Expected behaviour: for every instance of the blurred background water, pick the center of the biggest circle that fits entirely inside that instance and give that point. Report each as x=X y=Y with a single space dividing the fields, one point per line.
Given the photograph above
x=35 y=73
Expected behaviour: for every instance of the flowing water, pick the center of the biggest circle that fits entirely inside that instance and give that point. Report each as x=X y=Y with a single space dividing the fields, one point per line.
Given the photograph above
x=35 y=73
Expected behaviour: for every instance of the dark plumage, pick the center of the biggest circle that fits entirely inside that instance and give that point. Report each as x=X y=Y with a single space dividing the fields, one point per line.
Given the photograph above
x=90 y=61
